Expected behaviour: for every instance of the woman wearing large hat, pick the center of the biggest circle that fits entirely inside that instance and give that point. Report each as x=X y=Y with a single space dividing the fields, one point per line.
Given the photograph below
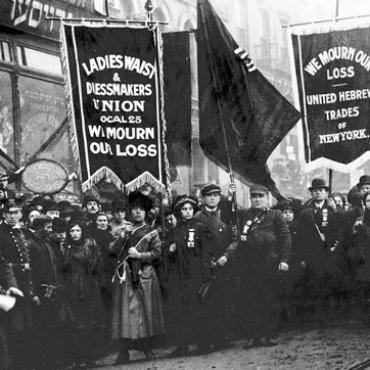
x=137 y=309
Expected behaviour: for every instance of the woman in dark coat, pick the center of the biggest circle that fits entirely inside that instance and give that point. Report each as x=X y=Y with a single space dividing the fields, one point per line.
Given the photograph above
x=81 y=275
x=186 y=270
x=103 y=237
x=137 y=317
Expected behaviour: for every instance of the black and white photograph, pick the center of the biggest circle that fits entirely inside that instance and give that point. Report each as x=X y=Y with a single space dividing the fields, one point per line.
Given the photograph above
x=184 y=184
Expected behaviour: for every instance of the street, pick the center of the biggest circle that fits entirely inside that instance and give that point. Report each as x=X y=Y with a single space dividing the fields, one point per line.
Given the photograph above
x=340 y=346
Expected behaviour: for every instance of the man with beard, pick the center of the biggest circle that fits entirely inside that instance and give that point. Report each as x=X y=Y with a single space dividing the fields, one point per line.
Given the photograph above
x=92 y=207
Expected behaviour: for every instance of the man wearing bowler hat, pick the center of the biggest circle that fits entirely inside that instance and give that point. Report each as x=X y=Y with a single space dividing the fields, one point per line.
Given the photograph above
x=319 y=237
x=219 y=249
x=264 y=250
x=357 y=212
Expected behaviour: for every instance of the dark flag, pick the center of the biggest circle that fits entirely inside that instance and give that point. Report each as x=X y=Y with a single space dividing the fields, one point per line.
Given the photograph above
x=242 y=117
x=177 y=96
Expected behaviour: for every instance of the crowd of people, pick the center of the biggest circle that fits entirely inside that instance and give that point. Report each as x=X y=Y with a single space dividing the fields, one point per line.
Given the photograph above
x=194 y=276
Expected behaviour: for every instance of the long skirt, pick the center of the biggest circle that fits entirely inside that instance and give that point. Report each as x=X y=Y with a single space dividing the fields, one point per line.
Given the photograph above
x=137 y=311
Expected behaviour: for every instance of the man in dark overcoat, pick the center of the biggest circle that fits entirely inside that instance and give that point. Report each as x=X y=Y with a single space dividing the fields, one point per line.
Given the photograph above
x=357 y=212
x=220 y=247
x=8 y=286
x=319 y=244
x=264 y=250
x=15 y=249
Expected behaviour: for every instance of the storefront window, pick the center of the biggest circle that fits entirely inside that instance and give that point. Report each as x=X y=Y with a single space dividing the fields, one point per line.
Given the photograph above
x=6 y=115
x=60 y=151
x=40 y=60
x=5 y=54
x=42 y=107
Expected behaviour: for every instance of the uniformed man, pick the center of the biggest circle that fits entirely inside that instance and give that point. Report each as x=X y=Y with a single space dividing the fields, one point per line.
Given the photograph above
x=219 y=249
x=8 y=286
x=264 y=251
x=15 y=250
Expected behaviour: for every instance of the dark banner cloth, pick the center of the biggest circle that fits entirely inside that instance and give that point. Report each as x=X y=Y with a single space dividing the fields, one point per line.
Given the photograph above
x=256 y=117
x=115 y=104
x=177 y=93
x=333 y=79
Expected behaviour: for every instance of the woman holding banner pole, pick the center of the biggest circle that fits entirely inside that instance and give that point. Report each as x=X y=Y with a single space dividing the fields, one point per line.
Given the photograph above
x=137 y=316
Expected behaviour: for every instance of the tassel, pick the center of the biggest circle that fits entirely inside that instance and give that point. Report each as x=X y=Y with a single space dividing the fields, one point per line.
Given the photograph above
x=102 y=173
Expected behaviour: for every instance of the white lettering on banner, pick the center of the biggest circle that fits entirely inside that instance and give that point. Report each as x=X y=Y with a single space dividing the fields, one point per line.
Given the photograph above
x=363 y=59
x=31 y=13
x=131 y=150
x=344 y=72
x=338 y=53
x=321 y=99
x=120 y=133
x=125 y=105
x=343 y=136
x=139 y=66
x=114 y=61
x=342 y=113
x=340 y=96
x=117 y=89
x=354 y=94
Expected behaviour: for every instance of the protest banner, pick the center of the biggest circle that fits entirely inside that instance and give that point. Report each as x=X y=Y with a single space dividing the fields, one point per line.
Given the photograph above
x=333 y=87
x=116 y=105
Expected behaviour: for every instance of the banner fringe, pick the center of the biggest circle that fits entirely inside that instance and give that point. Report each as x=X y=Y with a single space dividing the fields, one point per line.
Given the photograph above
x=145 y=178
x=337 y=166
x=69 y=98
x=100 y=174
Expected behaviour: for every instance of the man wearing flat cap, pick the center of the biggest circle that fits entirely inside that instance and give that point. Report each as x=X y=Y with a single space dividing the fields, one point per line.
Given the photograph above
x=220 y=248
x=319 y=238
x=264 y=250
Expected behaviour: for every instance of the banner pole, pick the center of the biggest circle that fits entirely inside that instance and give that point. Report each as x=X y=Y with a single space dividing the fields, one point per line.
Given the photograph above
x=106 y=20
x=325 y=21
x=106 y=8
x=336 y=14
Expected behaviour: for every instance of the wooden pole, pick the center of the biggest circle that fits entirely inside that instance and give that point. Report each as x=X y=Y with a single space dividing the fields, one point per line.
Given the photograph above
x=106 y=8
x=336 y=15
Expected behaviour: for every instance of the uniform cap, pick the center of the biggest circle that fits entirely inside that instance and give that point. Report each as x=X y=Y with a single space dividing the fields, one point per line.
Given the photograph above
x=258 y=189
x=209 y=189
